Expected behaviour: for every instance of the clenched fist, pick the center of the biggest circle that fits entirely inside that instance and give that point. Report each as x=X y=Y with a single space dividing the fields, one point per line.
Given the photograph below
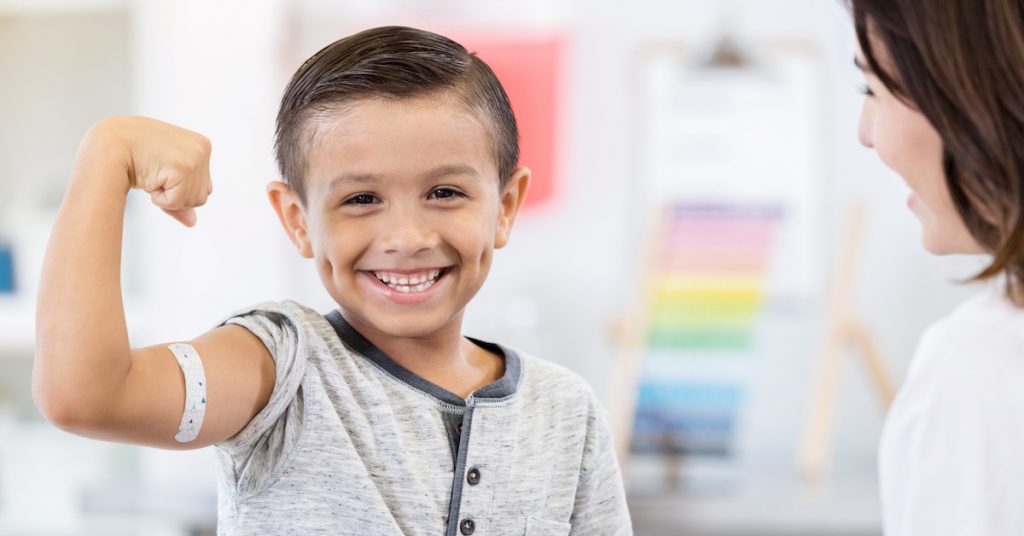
x=170 y=163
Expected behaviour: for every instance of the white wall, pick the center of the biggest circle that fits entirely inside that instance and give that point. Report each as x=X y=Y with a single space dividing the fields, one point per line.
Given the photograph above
x=211 y=67
x=219 y=68
x=571 y=267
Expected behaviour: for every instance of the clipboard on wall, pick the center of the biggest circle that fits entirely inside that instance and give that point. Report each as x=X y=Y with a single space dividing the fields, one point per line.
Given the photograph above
x=727 y=162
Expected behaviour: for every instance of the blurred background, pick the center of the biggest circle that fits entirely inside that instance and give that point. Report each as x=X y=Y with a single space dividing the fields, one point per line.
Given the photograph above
x=690 y=246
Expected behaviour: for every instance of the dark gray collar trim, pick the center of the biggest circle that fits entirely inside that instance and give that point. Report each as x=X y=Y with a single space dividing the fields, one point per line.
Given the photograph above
x=501 y=388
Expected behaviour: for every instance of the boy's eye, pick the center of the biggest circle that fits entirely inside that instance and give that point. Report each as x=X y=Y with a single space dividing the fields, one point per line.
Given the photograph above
x=361 y=199
x=445 y=193
x=866 y=91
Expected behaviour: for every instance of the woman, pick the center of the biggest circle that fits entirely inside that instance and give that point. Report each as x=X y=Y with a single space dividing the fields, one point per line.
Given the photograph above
x=944 y=108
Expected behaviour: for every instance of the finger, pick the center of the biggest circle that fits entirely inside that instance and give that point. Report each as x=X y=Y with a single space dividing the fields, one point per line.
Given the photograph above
x=206 y=190
x=175 y=198
x=195 y=193
x=199 y=200
x=205 y=180
x=187 y=216
x=167 y=200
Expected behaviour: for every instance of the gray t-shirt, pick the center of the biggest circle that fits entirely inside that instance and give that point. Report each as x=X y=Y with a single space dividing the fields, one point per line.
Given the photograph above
x=352 y=443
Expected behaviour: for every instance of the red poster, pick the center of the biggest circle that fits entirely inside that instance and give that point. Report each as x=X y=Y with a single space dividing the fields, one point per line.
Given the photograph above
x=529 y=68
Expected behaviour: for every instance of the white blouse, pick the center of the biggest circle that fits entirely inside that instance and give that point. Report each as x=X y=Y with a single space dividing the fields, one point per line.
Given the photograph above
x=951 y=460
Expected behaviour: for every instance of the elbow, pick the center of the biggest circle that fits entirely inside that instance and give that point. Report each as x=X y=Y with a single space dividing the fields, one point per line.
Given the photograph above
x=47 y=395
x=66 y=391
x=70 y=393
x=61 y=416
x=59 y=406
x=55 y=407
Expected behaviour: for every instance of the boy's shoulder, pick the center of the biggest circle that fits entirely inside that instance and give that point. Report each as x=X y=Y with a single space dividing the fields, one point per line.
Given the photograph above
x=279 y=312
x=280 y=319
x=544 y=378
x=282 y=325
x=549 y=371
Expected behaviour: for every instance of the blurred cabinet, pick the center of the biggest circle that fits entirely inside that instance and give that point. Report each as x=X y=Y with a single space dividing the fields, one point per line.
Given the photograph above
x=64 y=65
x=61 y=71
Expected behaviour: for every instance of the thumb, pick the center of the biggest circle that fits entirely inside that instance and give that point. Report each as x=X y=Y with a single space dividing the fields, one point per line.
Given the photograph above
x=186 y=216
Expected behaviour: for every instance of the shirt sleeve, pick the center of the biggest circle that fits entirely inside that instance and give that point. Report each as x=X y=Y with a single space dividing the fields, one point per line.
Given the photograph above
x=600 y=508
x=256 y=454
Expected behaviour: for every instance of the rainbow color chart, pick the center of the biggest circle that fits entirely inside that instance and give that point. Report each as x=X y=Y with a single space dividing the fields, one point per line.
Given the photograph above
x=707 y=290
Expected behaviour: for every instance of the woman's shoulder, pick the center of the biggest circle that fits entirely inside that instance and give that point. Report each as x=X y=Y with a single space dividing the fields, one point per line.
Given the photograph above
x=975 y=352
x=988 y=321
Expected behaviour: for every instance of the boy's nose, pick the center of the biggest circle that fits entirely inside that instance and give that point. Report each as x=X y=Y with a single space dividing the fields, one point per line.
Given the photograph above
x=406 y=235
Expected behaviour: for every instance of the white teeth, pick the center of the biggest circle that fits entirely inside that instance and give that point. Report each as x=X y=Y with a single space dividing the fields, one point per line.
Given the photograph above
x=406 y=284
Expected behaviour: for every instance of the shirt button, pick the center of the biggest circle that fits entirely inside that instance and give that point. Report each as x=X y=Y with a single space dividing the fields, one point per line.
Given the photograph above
x=458 y=428
x=467 y=527
x=473 y=477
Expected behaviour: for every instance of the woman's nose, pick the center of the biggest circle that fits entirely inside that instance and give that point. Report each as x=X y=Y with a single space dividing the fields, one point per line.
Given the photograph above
x=865 y=131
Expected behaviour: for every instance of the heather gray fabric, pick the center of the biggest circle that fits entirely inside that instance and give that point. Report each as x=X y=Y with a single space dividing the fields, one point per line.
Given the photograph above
x=352 y=443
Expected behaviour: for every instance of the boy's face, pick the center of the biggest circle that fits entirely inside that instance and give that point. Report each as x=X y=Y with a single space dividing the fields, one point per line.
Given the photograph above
x=403 y=212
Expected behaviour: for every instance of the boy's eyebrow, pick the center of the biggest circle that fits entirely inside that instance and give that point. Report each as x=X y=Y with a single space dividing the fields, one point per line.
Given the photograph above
x=453 y=169
x=362 y=178
x=434 y=174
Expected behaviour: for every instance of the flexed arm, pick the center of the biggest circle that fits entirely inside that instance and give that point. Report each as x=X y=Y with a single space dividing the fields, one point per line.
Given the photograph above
x=86 y=378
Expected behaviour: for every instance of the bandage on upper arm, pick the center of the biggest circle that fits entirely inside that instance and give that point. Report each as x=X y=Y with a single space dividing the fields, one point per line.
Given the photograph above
x=195 y=391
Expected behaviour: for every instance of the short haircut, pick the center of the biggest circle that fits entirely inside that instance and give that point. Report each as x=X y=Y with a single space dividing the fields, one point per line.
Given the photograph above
x=392 y=62
x=961 y=63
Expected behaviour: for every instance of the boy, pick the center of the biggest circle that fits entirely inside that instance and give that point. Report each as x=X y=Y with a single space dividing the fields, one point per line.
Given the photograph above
x=399 y=150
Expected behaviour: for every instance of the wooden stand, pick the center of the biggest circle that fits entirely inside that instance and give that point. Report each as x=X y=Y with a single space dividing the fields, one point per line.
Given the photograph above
x=629 y=335
x=843 y=331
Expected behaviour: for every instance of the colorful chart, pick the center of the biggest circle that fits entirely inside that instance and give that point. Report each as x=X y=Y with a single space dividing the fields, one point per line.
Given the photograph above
x=709 y=283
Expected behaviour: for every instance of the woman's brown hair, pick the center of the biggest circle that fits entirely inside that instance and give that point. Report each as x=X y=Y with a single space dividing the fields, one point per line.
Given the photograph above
x=961 y=64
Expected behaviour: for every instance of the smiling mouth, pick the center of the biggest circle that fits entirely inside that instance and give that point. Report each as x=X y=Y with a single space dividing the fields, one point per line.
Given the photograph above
x=409 y=282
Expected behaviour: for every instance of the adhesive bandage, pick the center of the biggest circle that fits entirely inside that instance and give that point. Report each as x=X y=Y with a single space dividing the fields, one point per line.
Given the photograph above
x=195 y=391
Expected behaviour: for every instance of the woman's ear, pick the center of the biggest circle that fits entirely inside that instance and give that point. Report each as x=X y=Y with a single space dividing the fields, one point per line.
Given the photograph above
x=292 y=215
x=511 y=199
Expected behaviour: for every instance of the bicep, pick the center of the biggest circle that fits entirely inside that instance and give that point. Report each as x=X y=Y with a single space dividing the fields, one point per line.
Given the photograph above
x=239 y=372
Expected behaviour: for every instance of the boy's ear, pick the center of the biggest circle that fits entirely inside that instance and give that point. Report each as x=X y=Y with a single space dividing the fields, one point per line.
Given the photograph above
x=292 y=215
x=511 y=199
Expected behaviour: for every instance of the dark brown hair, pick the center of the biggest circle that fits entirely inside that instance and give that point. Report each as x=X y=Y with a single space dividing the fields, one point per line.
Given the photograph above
x=961 y=64
x=391 y=62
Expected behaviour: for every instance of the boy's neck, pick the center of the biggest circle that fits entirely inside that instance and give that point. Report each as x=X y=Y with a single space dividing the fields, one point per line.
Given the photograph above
x=444 y=358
